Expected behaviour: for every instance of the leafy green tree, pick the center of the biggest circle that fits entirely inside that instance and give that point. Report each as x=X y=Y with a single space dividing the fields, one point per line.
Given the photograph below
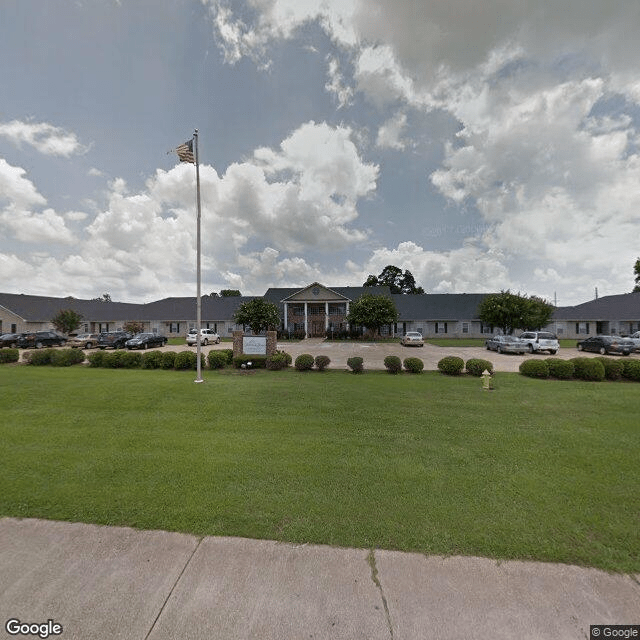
x=395 y=279
x=510 y=311
x=134 y=327
x=66 y=320
x=636 y=271
x=105 y=297
x=258 y=314
x=372 y=312
x=227 y=293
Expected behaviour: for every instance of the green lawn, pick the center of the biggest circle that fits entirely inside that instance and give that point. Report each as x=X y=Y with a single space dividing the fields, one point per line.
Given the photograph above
x=533 y=470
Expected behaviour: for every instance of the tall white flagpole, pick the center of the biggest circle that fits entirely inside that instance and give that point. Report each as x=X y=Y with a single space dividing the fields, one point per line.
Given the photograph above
x=199 y=301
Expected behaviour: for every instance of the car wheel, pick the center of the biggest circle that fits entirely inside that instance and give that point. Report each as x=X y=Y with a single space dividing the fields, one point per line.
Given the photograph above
x=580 y=347
x=145 y=345
x=88 y=345
x=499 y=349
x=603 y=351
x=38 y=345
x=530 y=348
x=553 y=352
x=218 y=341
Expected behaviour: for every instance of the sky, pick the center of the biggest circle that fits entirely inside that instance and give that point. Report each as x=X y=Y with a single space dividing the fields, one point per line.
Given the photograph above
x=483 y=145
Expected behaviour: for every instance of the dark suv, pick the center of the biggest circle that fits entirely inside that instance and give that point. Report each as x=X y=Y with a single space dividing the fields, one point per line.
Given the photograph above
x=115 y=339
x=39 y=339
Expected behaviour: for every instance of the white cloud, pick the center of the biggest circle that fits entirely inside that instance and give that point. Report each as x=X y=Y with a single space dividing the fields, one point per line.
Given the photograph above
x=44 y=137
x=336 y=84
x=390 y=133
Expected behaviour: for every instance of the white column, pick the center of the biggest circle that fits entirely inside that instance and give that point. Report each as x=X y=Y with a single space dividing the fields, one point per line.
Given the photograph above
x=286 y=314
x=347 y=314
x=306 y=330
x=326 y=316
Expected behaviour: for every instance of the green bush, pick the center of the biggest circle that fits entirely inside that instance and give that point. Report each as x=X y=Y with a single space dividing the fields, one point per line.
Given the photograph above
x=38 y=358
x=152 y=360
x=413 y=365
x=631 y=370
x=451 y=365
x=217 y=360
x=322 y=362
x=560 y=369
x=66 y=357
x=228 y=353
x=250 y=361
x=187 y=360
x=96 y=359
x=277 y=361
x=113 y=359
x=534 y=368
x=477 y=366
x=356 y=364
x=168 y=359
x=131 y=360
x=9 y=355
x=393 y=364
x=613 y=368
x=589 y=369
x=304 y=362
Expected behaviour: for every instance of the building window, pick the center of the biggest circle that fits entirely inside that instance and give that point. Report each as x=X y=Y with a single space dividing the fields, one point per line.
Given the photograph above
x=315 y=310
x=441 y=327
x=465 y=327
x=14 y=328
x=582 y=327
x=337 y=309
x=486 y=328
x=297 y=309
x=174 y=327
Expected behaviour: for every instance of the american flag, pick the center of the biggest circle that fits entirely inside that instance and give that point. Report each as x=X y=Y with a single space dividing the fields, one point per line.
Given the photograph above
x=185 y=152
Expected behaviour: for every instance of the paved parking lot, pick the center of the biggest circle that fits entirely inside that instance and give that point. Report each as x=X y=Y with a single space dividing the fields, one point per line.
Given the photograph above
x=375 y=353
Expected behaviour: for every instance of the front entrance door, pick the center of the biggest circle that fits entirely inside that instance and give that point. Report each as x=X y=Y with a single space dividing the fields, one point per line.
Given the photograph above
x=317 y=328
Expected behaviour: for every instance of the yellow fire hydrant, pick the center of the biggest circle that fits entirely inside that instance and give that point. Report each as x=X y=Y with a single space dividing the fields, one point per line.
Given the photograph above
x=487 y=380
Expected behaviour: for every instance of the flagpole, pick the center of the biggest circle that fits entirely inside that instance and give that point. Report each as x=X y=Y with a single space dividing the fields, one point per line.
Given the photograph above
x=199 y=301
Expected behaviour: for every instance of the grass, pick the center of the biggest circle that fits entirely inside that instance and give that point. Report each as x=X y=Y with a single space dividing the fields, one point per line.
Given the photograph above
x=534 y=470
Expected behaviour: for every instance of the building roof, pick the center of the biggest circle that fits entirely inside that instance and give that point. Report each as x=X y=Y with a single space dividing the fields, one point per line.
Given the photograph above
x=438 y=306
x=278 y=294
x=621 y=307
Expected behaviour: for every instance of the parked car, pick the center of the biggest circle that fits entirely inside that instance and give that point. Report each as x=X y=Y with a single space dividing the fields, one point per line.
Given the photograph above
x=145 y=340
x=83 y=341
x=9 y=340
x=413 y=338
x=607 y=344
x=115 y=339
x=206 y=336
x=506 y=344
x=39 y=339
x=540 y=341
x=635 y=338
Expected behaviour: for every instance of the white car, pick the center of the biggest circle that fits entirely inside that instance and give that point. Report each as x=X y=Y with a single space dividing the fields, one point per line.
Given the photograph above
x=540 y=341
x=206 y=336
x=635 y=337
x=412 y=338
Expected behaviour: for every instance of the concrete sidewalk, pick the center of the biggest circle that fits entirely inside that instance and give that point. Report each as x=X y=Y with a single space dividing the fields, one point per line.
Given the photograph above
x=106 y=583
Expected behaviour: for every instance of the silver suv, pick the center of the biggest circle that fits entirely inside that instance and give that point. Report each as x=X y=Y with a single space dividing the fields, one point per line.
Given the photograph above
x=540 y=341
x=206 y=336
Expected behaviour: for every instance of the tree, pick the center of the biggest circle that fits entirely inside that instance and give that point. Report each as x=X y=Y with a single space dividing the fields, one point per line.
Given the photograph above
x=105 y=297
x=134 y=327
x=258 y=314
x=397 y=281
x=372 y=312
x=66 y=320
x=636 y=270
x=510 y=311
x=227 y=293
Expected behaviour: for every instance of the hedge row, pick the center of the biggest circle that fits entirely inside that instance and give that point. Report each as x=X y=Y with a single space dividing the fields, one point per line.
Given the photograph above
x=53 y=357
x=591 y=369
x=454 y=366
x=9 y=355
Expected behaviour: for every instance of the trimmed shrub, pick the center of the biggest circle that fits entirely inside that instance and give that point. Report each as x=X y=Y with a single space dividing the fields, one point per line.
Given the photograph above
x=356 y=364
x=168 y=359
x=451 y=365
x=152 y=360
x=9 y=355
x=187 y=360
x=96 y=359
x=589 y=369
x=257 y=361
x=413 y=365
x=38 y=358
x=631 y=370
x=304 y=362
x=477 y=366
x=228 y=354
x=393 y=364
x=66 y=357
x=560 y=369
x=217 y=359
x=131 y=360
x=113 y=359
x=534 y=368
x=277 y=361
x=322 y=362
x=613 y=368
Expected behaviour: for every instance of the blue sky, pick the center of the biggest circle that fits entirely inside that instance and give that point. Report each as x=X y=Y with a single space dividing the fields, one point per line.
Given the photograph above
x=482 y=146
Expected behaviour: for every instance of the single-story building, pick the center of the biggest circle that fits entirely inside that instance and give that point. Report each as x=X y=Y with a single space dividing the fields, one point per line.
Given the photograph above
x=314 y=310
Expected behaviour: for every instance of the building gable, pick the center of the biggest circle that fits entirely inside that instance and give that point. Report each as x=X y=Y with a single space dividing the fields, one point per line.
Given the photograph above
x=316 y=292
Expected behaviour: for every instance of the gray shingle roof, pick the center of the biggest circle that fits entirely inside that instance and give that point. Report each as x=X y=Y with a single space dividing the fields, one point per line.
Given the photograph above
x=438 y=306
x=625 y=307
